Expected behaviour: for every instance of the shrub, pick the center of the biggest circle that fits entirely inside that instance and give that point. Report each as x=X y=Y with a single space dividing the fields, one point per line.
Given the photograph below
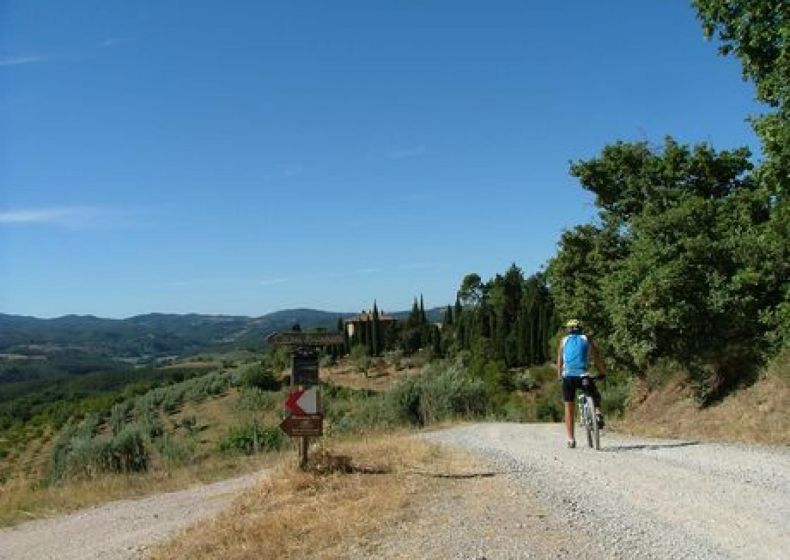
x=259 y=376
x=360 y=358
x=148 y=422
x=549 y=408
x=443 y=390
x=257 y=400
x=615 y=391
x=246 y=437
x=173 y=452
x=394 y=358
x=327 y=360
x=128 y=451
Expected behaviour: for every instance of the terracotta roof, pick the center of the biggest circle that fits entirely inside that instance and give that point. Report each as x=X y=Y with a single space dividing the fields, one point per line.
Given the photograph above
x=366 y=316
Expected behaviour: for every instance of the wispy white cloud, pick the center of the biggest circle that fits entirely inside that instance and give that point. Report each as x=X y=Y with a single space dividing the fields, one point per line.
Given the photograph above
x=415 y=197
x=416 y=266
x=272 y=281
x=75 y=217
x=39 y=216
x=409 y=152
x=22 y=59
x=292 y=170
x=111 y=42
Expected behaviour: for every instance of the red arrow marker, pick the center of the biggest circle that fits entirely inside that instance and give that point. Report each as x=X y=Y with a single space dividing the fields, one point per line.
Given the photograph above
x=292 y=402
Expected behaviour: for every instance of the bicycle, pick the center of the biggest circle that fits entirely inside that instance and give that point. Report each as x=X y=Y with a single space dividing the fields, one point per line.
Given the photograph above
x=587 y=413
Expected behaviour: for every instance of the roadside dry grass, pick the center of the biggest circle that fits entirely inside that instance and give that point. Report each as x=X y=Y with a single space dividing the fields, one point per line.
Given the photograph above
x=381 y=376
x=22 y=500
x=756 y=414
x=295 y=514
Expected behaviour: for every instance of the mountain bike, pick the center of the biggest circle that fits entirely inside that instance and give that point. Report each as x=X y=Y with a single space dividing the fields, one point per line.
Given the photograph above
x=587 y=413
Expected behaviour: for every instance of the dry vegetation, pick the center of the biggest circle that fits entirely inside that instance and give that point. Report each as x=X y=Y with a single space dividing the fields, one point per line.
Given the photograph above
x=380 y=376
x=28 y=496
x=756 y=414
x=21 y=500
x=296 y=514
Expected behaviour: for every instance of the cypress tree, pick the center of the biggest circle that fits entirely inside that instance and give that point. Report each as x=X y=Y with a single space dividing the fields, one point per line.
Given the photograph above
x=448 y=317
x=376 y=332
x=423 y=318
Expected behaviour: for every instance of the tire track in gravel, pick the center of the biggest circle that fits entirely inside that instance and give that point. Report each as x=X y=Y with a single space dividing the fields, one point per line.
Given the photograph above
x=121 y=529
x=646 y=498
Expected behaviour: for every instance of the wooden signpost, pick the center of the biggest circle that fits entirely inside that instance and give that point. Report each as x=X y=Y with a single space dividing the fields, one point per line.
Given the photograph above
x=305 y=419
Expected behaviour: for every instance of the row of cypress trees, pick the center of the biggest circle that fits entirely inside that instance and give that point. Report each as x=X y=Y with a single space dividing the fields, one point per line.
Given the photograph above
x=510 y=318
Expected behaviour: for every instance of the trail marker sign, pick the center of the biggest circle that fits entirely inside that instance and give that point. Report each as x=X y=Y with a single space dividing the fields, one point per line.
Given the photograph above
x=303 y=402
x=304 y=367
x=309 y=425
x=306 y=420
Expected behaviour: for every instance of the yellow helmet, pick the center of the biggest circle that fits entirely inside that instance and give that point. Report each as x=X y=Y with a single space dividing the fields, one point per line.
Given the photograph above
x=573 y=324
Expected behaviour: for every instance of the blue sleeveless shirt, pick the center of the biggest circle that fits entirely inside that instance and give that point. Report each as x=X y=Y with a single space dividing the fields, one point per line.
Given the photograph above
x=575 y=348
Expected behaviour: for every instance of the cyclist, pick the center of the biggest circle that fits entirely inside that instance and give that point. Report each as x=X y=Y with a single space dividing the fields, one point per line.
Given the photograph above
x=573 y=353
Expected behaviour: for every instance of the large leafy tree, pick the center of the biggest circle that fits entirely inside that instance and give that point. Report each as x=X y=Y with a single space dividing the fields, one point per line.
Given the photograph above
x=676 y=266
x=758 y=33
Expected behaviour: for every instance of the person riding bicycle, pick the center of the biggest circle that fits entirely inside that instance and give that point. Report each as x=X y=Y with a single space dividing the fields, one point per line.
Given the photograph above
x=573 y=353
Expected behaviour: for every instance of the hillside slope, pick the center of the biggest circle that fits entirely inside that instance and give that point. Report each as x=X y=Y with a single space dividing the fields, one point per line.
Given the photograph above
x=755 y=414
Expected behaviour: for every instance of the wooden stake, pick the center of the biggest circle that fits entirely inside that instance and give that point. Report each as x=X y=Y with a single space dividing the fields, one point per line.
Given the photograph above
x=304 y=445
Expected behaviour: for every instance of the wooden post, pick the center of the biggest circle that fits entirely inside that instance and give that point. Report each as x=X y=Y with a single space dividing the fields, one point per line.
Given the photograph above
x=304 y=445
x=304 y=423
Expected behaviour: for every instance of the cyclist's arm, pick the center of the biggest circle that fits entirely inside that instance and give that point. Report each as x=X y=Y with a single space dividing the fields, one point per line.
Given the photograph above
x=596 y=356
x=559 y=359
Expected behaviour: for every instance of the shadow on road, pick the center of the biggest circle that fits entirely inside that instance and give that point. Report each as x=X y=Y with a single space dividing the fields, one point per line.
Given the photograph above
x=648 y=446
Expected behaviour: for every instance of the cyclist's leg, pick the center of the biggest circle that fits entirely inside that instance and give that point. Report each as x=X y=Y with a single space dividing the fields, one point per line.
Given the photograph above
x=568 y=393
x=596 y=396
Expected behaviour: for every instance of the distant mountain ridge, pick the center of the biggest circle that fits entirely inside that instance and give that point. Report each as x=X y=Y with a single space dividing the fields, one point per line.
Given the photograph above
x=157 y=334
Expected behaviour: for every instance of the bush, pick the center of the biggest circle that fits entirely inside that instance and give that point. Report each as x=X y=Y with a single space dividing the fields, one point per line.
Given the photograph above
x=444 y=390
x=360 y=359
x=246 y=437
x=257 y=400
x=549 y=408
x=128 y=452
x=85 y=456
x=394 y=358
x=615 y=391
x=172 y=452
x=259 y=376
x=327 y=360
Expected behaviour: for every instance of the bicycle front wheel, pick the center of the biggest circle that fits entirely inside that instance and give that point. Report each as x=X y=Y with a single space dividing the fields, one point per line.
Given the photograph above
x=593 y=433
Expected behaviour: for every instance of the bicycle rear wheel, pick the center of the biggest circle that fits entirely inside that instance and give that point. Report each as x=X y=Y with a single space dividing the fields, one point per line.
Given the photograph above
x=593 y=433
x=587 y=415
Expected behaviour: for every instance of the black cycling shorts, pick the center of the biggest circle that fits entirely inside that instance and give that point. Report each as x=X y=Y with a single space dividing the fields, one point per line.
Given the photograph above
x=571 y=384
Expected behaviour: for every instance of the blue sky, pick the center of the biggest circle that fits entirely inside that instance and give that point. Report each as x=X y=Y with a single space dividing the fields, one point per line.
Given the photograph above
x=244 y=157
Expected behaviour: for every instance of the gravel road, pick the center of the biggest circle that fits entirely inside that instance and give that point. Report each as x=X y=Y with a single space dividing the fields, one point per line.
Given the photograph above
x=636 y=498
x=119 y=530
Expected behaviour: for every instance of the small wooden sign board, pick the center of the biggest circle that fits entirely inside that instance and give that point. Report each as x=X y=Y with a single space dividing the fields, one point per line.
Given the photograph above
x=294 y=338
x=306 y=426
x=304 y=367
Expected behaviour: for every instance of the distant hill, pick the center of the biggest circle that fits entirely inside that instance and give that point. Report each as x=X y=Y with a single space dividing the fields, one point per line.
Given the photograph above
x=156 y=334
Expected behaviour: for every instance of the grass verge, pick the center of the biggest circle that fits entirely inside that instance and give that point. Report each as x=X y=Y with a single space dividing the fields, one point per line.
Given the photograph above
x=295 y=514
x=23 y=500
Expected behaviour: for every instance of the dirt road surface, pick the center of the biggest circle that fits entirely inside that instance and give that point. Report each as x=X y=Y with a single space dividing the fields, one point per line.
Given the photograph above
x=636 y=498
x=119 y=530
